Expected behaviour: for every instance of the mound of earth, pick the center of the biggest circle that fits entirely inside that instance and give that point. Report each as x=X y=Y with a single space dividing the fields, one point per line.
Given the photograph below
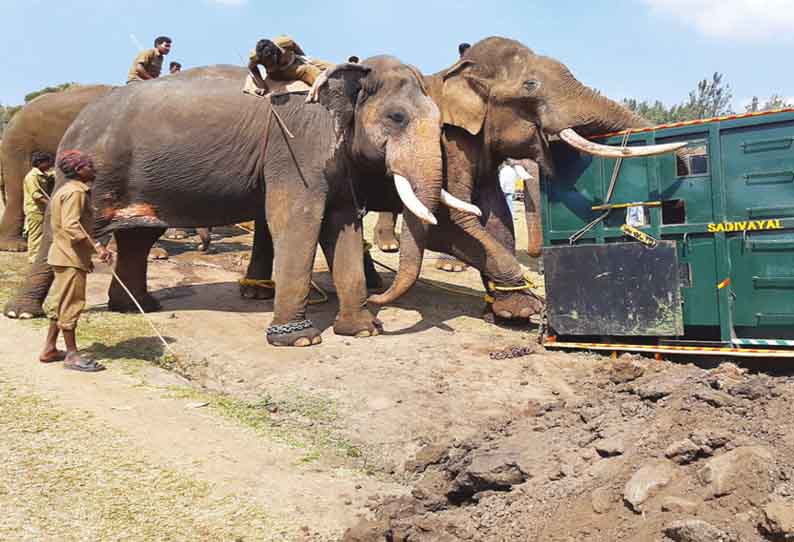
x=646 y=451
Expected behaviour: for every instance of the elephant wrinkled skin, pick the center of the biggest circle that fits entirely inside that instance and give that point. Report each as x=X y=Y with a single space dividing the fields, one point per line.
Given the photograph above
x=501 y=101
x=190 y=150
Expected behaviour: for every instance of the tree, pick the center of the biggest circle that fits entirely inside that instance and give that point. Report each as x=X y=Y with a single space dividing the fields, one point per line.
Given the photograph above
x=58 y=88
x=711 y=98
x=7 y=112
x=776 y=101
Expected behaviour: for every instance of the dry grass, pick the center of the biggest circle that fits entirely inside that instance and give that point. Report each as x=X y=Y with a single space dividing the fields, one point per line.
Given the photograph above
x=64 y=477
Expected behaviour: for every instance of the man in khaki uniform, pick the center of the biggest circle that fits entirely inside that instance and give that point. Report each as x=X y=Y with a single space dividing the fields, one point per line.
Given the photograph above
x=283 y=60
x=71 y=217
x=149 y=63
x=37 y=187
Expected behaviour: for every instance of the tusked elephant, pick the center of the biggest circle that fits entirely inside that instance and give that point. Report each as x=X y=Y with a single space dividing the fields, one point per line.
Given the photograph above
x=196 y=150
x=38 y=126
x=501 y=101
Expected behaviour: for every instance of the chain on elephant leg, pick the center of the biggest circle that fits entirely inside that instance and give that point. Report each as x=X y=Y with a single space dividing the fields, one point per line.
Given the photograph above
x=301 y=333
x=517 y=302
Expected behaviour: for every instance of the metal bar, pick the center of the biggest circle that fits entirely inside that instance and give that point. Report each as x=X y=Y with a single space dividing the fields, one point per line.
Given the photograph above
x=669 y=349
x=606 y=206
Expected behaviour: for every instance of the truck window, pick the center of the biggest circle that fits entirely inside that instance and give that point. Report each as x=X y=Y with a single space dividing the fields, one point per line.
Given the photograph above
x=693 y=159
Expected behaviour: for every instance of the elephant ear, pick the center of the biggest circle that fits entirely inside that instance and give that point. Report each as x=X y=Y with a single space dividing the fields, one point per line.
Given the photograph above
x=337 y=89
x=464 y=98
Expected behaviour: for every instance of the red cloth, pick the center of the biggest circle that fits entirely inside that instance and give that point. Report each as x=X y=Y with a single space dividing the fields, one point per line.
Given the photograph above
x=70 y=161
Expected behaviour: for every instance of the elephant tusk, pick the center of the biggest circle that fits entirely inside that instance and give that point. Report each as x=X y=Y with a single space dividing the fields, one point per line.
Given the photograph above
x=578 y=142
x=411 y=202
x=451 y=201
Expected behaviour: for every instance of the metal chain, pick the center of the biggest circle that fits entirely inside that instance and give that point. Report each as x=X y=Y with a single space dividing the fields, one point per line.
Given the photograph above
x=284 y=329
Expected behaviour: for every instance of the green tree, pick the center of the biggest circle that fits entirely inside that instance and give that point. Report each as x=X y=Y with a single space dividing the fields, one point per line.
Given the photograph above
x=776 y=101
x=711 y=98
x=46 y=90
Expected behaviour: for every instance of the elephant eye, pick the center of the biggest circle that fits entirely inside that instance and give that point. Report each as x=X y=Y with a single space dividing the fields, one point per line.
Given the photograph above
x=532 y=85
x=398 y=117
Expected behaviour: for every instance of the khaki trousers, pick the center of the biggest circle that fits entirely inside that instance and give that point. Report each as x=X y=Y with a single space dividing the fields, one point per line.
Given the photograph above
x=66 y=300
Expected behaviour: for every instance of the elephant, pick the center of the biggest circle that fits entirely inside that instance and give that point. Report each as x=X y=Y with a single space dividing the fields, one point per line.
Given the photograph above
x=195 y=150
x=499 y=101
x=39 y=126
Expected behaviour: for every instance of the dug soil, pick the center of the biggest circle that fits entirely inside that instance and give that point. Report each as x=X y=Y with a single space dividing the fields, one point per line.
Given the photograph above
x=449 y=428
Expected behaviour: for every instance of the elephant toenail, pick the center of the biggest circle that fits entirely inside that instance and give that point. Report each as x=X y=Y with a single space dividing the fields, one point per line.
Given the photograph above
x=364 y=333
x=303 y=341
x=317 y=340
x=25 y=316
x=11 y=314
x=505 y=314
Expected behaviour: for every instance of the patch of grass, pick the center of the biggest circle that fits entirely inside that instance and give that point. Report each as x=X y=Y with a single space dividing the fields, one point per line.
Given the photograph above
x=13 y=267
x=300 y=420
x=65 y=477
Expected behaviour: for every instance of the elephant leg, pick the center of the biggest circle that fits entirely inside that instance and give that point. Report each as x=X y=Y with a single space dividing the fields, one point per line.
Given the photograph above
x=260 y=269
x=205 y=234
x=342 y=243
x=374 y=280
x=294 y=221
x=28 y=300
x=449 y=264
x=177 y=233
x=508 y=304
x=131 y=267
x=13 y=217
x=385 y=236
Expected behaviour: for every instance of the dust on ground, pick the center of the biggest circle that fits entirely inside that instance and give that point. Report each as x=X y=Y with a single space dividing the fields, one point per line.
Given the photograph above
x=419 y=434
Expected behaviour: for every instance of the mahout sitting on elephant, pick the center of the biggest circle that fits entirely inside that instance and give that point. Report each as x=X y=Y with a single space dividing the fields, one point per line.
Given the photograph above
x=504 y=101
x=191 y=151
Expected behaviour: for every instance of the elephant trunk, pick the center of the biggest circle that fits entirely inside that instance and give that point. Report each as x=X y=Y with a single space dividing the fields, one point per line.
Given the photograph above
x=593 y=114
x=418 y=177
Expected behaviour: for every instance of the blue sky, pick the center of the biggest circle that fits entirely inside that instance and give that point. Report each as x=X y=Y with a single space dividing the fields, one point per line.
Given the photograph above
x=624 y=48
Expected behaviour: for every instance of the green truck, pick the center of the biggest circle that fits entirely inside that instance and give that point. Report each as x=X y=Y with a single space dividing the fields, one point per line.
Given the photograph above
x=688 y=251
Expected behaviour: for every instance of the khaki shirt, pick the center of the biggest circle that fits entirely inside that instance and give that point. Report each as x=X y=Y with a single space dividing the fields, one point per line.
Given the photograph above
x=295 y=65
x=152 y=62
x=71 y=207
x=36 y=187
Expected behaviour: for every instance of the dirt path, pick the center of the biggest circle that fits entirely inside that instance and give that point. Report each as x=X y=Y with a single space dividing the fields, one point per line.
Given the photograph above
x=194 y=442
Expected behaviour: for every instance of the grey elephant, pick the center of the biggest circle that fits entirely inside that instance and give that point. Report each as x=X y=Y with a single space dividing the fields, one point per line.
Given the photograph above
x=189 y=151
x=501 y=100
x=39 y=126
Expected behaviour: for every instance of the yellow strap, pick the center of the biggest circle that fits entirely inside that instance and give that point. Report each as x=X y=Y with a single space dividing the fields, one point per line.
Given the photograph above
x=323 y=298
x=258 y=283
x=527 y=285
x=489 y=298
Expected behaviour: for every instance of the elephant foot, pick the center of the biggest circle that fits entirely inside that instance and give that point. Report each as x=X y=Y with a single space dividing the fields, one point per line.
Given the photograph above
x=300 y=334
x=158 y=253
x=13 y=244
x=123 y=303
x=359 y=324
x=373 y=279
x=451 y=265
x=177 y=233
x=257 y=289
x=386 y=241
x=516 y=305
x=23 y=309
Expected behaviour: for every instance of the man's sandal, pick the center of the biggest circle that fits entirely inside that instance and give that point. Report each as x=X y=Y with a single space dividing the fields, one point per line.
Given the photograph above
x=85 y=366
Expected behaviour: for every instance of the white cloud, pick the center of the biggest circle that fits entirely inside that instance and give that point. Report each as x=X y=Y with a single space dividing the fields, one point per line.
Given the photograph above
x=732 y=19
x=229 y=2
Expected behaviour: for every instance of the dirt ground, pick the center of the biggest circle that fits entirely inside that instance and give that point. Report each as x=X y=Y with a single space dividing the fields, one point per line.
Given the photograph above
x=414 y=435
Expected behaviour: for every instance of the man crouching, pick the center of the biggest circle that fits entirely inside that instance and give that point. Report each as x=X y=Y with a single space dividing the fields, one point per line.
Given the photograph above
x=71 y=218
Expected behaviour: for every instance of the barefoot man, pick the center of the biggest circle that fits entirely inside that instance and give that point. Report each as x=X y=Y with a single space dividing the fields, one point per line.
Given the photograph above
x=70 y=257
